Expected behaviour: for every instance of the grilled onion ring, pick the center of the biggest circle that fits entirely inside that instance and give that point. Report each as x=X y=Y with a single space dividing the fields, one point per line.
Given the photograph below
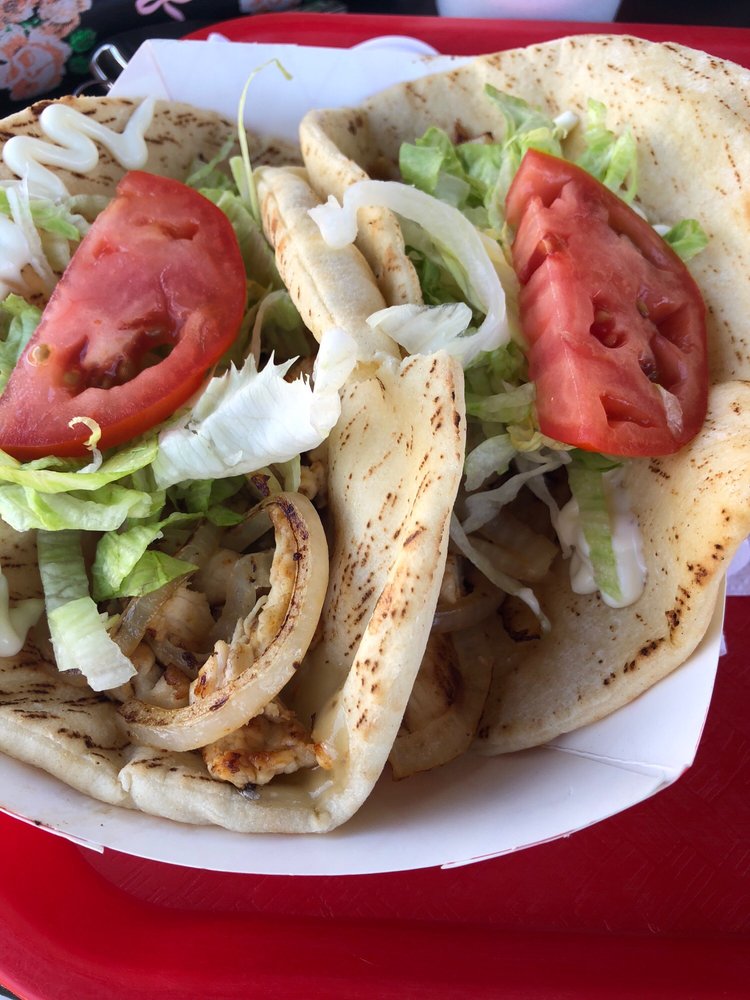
x=300 y=566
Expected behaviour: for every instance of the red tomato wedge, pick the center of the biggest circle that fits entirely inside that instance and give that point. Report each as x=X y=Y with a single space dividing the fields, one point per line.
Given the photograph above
x=153 y=297
x=614 y=321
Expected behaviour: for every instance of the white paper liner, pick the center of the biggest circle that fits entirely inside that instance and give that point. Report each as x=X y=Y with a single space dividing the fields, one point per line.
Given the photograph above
x=472 y=809
x=475 y=807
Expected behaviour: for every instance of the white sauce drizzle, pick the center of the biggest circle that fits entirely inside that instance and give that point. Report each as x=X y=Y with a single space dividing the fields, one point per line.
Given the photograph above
x=26 y=156
x=21 y=213
x=627 y=545
x=15 y=622
x=15 y=253
x=74 y=132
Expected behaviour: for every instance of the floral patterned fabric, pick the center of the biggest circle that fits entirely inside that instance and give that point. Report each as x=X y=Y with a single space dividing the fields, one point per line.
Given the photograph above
x=38 y=42
x=46 y=45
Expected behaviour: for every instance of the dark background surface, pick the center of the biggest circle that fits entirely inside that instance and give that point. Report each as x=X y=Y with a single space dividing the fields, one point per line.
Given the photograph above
x=127 y=23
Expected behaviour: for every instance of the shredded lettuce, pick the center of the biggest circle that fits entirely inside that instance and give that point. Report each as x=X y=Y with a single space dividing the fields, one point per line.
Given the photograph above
x=59 y=494
x=434 y=165
x=53 y=475
x=242 y=436
x=78 y=631
x=247 y=419
x=212 y=173
x=18 y=320
x=490 y=457
x=475 y=176
x=50 y=216
x=599 y=529
x=476 y=555
x=484 y=505
x=124 y=566
x=423 y=329
x=99 y=510
x=241 y=166
x=447 y=279
x=506 y=451
x=256 y=253
x=611 y=158
x=208 y=498
x=279 y=329
x=20 y=210
x=38 y=232
x=587 y=486
x=687 y=238
x=509 y=406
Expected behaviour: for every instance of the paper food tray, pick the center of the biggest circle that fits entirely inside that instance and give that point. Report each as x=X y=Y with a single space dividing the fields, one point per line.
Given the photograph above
x=475 y=807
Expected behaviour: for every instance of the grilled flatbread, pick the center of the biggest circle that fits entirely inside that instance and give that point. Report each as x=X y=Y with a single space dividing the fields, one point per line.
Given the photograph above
x=690 y=115
x=391 y=475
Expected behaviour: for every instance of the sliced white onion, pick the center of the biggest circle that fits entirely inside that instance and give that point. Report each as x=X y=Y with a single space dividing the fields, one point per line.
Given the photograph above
x=300 y=570
x=449 y=229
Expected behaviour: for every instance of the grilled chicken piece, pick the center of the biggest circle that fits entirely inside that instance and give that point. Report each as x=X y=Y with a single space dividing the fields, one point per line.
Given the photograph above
x=184 y=621
x=446 y=702
x=272 y=743
x=154 y=684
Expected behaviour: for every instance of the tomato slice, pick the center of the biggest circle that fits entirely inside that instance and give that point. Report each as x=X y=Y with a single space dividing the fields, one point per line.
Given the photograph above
x=614 y=321
x=151 y=299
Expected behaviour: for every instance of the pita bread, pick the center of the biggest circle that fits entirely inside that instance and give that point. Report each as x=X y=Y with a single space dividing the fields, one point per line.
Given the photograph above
x=179 y=135
x=394 y=461
x=320 y=279
x=690 y=114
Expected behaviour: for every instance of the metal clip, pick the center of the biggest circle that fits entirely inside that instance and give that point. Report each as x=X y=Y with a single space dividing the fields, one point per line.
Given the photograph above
x=106 y=64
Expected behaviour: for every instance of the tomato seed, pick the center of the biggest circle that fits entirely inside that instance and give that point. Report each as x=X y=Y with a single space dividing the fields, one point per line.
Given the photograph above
x=39 y=354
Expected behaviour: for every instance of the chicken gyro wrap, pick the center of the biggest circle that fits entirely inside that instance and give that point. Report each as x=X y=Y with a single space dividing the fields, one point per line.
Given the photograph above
x=565 y=220
x=210 y=529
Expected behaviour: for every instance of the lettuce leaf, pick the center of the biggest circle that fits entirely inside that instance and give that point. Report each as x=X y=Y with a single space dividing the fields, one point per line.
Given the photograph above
x=687 y=238
x=611 y=158
x=247 y=419
x=50 y=216
x=78 y=631
x=18 y=321
x=123 y=566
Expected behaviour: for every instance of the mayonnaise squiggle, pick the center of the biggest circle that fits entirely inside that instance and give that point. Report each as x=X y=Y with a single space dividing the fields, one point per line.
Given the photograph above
x=627 y=546
x=26 y=156
x=21 y=212
x=74 y=132
x=15 y=622
x=15 y=253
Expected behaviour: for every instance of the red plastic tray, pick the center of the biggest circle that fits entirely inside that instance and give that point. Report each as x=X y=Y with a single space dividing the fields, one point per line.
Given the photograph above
x=653 y=903
x=464 y=36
